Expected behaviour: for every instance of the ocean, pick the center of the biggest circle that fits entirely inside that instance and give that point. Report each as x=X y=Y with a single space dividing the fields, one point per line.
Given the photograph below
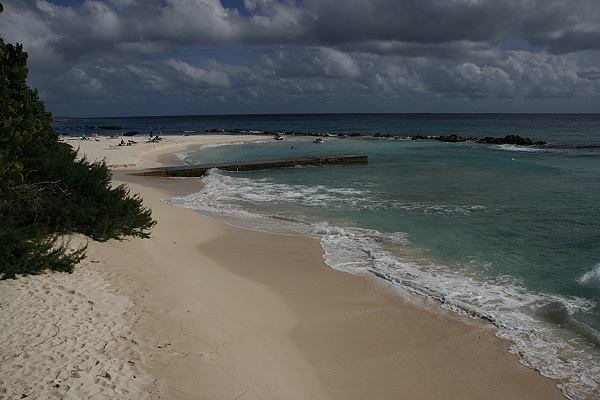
x=506 y=233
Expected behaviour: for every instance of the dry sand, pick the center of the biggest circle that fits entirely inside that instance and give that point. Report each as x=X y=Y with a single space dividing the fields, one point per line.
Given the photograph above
x=204 y=310
x=120 y=157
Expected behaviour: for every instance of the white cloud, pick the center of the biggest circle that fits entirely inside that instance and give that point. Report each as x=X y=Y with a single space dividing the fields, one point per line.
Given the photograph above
x=395 y=79
x=192 y=21
x=148 y=78
x=335 y=64
x=103 y=22
x=547 y=75
x=191 y=75
x=310 y=50
x=484 y=79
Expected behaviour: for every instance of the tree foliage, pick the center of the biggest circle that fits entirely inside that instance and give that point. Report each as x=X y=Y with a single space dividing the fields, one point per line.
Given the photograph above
x=18 y=125
x=45 y=191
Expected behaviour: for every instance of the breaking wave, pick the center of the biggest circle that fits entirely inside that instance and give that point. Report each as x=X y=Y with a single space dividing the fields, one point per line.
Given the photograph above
x=591 y=279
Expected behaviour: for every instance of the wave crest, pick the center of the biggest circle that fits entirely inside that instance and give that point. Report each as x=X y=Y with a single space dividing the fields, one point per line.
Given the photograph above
x=591 y=279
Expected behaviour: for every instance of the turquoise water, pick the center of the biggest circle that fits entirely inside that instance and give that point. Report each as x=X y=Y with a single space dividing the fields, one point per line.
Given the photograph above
x=501 y=232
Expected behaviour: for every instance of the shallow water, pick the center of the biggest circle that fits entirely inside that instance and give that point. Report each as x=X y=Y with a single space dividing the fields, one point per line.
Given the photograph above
x=501 y=232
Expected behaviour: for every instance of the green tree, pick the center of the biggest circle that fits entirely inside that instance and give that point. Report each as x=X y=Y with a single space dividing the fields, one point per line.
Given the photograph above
x=18 y=125
x=46 y=191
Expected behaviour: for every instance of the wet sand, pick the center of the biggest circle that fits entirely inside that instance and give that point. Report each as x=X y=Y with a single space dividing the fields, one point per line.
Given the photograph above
x=214 y=311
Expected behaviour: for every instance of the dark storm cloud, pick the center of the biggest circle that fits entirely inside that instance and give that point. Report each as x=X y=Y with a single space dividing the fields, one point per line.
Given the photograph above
x=555 y=25
x=415 y=21
x=562 y=27
x=244 y=53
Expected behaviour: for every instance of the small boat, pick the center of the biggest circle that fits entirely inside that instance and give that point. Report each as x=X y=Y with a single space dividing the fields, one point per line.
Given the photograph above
x=130 y=133
x=318 y=140
x=277 y=136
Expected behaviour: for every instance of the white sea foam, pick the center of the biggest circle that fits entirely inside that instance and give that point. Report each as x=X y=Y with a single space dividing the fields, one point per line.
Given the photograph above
x=591 y=279
x=217 y=200
x=213 y=145
x=323 y=228
x=443 y=210
x=519 y=313
x=512 y=147
x=181 y=156
x=221 y=188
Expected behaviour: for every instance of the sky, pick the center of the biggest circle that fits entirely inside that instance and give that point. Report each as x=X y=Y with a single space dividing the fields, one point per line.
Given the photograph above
x=94 y=58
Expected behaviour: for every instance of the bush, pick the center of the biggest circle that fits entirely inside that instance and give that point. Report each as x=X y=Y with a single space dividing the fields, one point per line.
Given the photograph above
x=45 y=192
x=30 y=250
x=77 y=197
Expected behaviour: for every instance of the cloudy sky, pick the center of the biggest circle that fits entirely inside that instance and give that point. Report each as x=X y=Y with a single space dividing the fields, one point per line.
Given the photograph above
x=175 y=57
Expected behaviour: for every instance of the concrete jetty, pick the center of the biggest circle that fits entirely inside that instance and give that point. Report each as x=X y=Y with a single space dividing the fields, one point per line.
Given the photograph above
x=199 y=170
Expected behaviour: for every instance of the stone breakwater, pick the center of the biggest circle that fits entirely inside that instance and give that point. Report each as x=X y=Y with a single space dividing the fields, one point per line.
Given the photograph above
x=199 y=170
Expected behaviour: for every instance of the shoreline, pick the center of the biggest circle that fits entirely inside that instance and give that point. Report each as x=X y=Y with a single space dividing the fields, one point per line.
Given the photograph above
x=270 y=320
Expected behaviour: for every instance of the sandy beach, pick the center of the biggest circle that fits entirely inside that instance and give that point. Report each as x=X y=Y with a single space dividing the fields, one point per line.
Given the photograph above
x=205 y=310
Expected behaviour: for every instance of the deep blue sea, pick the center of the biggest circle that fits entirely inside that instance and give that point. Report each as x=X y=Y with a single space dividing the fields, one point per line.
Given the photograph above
x=502 y=232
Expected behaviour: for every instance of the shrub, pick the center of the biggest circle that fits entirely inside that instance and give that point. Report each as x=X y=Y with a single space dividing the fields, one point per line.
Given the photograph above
x=45 y=191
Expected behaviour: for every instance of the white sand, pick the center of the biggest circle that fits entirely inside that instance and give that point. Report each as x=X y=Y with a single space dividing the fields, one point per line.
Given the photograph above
x=130 y=156
x=63 y=337
x=207 y=310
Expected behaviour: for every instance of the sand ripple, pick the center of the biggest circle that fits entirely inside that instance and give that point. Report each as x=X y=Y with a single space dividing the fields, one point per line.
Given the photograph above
x=64 y=336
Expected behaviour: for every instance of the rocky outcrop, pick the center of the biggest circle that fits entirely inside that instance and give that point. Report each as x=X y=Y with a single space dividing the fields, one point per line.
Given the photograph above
x=511 y=139
x=508 y=139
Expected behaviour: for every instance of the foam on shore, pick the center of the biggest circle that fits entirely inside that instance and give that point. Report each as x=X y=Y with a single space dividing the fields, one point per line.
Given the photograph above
x=205 y=309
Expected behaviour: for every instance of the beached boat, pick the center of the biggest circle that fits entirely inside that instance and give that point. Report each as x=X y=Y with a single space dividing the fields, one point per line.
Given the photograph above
x=318 y=140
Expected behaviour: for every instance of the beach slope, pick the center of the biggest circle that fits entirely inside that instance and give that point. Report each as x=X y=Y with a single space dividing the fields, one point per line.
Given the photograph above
x=205 y=310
